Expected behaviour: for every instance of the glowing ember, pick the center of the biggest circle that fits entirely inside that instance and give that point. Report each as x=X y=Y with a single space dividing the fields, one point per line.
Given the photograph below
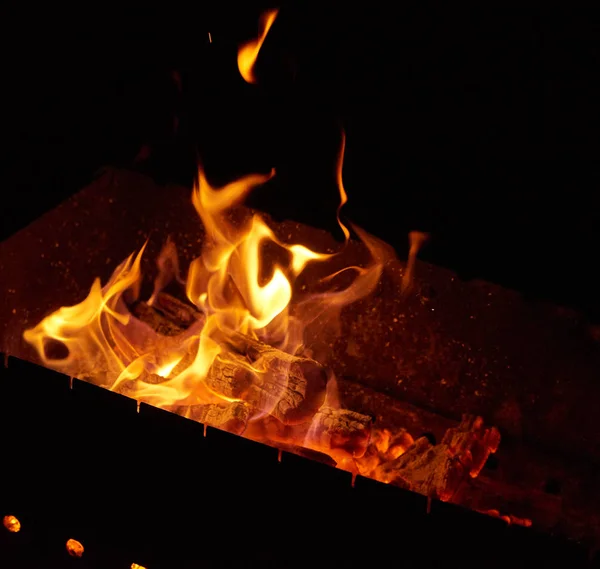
x=12 y=524
x=248 y=53
x=136 y=566
x=74 y=548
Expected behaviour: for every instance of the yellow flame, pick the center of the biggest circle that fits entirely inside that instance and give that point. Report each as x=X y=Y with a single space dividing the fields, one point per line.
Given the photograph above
x=93 y=327
x=248 y=52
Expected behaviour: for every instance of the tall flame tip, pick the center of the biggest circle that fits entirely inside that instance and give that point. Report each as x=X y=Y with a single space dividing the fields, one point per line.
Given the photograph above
x=248 y=52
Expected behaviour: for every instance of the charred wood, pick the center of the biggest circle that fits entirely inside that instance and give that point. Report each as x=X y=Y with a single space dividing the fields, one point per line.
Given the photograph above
x=167 y=315
x=290 y=388
x=178 y=312
x=438 y=470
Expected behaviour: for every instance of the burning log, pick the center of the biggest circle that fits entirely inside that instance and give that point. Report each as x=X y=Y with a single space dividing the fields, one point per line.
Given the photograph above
x=167 y=315
x=339 y=432
x=290 y=388
x=438 y=470
x=177 y=312
x=157 y=321
x=230 y=375
x=424 y=468
x=232 y=417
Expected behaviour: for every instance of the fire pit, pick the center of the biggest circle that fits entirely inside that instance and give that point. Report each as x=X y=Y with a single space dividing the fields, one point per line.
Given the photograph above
x=240 y=344
x=103 y=439
x=268 y=388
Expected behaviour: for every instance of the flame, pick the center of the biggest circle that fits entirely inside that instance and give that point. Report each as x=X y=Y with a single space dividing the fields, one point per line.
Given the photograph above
x=93 y=328
x=248 y=53
x=99 y=339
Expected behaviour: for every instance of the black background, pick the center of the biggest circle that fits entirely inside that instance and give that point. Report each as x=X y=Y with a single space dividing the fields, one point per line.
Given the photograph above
x=476 y=122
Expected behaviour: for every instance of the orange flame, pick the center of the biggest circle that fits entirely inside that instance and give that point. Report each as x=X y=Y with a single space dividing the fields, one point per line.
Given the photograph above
x=248 y=53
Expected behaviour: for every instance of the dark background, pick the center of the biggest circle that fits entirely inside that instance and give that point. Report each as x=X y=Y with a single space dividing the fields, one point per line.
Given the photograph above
x=474 y=122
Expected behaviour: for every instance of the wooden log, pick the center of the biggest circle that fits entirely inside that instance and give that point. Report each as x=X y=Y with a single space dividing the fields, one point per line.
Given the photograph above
x=167 y=315
x=232 y=417
x=156 y=320
x=230 y=375
x=339 y=433
x=180 y=313
x=290 y=388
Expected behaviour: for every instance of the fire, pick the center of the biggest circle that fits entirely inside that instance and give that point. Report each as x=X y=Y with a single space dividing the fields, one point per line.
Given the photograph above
x=241 y=301
x=234 y=347
x=248 y=52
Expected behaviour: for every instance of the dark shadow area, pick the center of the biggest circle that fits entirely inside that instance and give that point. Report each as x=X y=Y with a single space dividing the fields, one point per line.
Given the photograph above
x=476 y=123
